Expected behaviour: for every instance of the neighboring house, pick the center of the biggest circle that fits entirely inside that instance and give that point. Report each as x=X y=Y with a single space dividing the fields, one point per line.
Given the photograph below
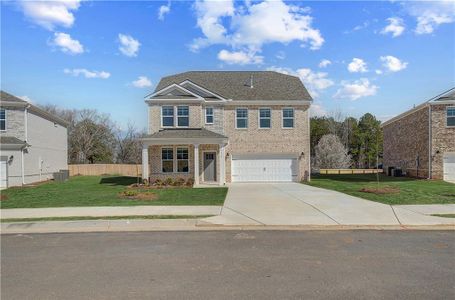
x=33 y=143
x=421 y=141
x=221 y=126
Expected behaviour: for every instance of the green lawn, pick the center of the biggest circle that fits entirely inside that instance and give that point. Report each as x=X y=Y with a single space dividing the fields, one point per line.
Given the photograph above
x=103 y=191
x=408 y=190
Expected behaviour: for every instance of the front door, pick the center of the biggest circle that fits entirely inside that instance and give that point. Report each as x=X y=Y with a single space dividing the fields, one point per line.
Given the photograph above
x=209 y=166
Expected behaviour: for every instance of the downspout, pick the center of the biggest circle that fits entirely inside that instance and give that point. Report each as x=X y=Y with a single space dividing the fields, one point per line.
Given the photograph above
x=429 y=142
x=26 y=140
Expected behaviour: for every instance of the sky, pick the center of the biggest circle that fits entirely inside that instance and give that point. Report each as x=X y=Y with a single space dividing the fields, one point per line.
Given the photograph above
x=381 y=57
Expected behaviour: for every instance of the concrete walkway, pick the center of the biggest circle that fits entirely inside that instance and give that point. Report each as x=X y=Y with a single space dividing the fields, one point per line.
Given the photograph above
x=297 y=204
x=106 y=211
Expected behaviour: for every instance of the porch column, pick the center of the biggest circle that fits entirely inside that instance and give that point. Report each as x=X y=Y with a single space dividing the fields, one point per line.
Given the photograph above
x=222 y=164
x=196 y=164
x=145 y=162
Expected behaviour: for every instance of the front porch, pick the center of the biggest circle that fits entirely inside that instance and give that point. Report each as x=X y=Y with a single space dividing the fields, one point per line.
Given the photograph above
x=197 y=154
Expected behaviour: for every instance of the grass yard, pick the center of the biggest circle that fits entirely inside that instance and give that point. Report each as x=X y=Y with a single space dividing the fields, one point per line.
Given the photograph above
x=103 y=191
x=398 y=190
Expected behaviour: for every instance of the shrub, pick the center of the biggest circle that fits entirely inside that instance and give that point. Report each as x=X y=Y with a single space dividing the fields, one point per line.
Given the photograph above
x=190 y=182
x=129 y=193
x=179 y=182
x=169 y=181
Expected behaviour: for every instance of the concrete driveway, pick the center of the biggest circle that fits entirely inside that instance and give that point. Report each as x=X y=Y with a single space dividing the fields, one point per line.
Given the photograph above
x=299 y=204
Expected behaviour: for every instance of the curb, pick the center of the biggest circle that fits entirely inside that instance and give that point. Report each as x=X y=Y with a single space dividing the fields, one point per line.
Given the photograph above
x=185 y=225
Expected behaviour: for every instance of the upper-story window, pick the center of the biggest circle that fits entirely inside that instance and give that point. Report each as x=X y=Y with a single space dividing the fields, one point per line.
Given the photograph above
x=183 y=116
x=288 y=118
x=241 y=116
x=264 y=118
x=167 y=113
x=2 y=119
x=209 y=115
x=451 y=116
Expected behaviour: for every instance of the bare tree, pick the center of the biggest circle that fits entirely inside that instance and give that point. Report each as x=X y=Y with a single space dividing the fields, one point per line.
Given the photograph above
x=331 y=154
x=129 y=145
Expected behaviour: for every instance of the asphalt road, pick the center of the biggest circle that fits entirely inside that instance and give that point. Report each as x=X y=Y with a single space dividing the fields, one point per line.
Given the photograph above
x=230 y=265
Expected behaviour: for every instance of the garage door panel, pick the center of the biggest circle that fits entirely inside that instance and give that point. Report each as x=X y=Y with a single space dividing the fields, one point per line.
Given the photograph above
x=264 y=169
x=449 y=167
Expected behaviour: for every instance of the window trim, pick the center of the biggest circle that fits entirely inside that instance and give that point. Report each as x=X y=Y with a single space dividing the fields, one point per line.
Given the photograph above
x=177 y=160
x=173 y=158
x=282 y=118
x=447 y=117
x=259 y=118
x=173 y=116
x=177 y=116
x=6 y=124
x=213 y=115
x=247 y=117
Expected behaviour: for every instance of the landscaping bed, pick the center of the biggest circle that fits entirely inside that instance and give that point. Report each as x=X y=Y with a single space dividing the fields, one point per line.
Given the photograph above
x=391 y=190
x=108 y=191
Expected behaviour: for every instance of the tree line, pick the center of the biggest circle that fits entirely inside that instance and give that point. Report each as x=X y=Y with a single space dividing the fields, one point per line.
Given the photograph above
x=342 y=142
x=94 y=138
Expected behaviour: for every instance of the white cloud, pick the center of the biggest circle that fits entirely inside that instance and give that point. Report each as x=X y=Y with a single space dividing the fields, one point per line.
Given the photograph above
x=315 y=82
x=317 y=110
x=430 y=14
x=357 y=65
x=142 y=82
x=395 y=27
x=26 y=98
x=87 y=74
x=67 y=44
x=50 y=14
x=129 y=46
x=239 y=57
x=164 y=10
x=253 y=25
x=356 y=89
x=379 y=72
x=393 y=64
x=324 y=63
x=281 y=55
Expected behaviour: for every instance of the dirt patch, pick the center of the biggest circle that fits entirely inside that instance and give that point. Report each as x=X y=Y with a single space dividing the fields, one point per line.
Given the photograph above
x=139 y=195
x=3 y=197
x=381 y=191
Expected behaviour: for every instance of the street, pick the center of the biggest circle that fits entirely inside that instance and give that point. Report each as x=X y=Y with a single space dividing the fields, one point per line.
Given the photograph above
x=230 y=265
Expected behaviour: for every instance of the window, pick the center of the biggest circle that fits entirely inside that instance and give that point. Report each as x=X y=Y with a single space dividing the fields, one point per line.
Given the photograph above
x=209 y=115
x=183 y=119
x=167 y=113
x=2 y=119
x=182 y=160
x=241 y=118
x=167 y=160
x=288 y=118
x=451 y=116
x=264 y=117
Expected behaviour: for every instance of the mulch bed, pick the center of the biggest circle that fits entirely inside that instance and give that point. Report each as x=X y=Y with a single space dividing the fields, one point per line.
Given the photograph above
x=381 y=191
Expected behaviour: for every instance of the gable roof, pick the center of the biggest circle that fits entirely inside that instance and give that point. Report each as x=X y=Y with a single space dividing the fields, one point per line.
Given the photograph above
x=235 y=85
x=8 y=100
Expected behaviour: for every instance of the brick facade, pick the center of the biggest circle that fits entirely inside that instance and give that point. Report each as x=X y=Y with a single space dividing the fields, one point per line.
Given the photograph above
x=407 y=140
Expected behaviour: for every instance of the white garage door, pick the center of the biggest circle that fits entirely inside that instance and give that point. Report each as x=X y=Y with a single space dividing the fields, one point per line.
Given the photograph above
x=449 y=167
x=3 y=174
x=263 y=169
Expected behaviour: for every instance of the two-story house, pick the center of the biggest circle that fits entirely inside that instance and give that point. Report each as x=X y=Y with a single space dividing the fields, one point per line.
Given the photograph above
x=228 y=126
x=421 y=141
x=33 y=143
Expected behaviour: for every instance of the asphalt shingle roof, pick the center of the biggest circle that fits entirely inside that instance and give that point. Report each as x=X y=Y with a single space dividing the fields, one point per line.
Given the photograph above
x=185 y=133
x=448 y=96
x=4 y=96
x=10 y=140
x=235 y=85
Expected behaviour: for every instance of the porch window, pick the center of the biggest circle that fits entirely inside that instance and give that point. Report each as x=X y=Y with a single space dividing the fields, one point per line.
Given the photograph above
x=264 y=117
x=451 y=116
x=183 y=119
x=209 y=115
x=288 y=118
x=182 y=160
x=241 y=115
x=2 y=119
x=167 y=160
x=167 y=113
